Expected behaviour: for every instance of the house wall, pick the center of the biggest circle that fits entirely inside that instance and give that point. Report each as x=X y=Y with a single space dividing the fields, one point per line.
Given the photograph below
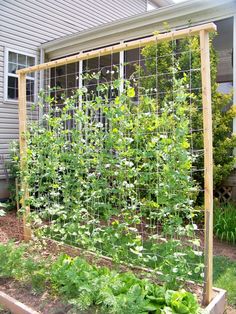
x=26 y=24
x=176 y=16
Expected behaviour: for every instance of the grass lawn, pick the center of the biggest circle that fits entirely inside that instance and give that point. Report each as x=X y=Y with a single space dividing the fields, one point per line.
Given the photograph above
x=225 y=277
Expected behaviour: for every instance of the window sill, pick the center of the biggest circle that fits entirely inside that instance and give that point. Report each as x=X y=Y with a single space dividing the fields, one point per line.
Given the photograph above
x=15 y=102
x=10 y=101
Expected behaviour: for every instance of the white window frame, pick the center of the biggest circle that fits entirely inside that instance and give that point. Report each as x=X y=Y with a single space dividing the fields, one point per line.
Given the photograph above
x=6 y=73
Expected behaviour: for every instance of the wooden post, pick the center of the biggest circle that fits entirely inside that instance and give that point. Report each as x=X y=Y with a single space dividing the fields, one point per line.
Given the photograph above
x=23 y=152
x=208 y=164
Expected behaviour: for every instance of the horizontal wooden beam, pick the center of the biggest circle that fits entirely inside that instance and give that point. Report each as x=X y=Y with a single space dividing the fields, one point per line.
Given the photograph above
x=191 y=31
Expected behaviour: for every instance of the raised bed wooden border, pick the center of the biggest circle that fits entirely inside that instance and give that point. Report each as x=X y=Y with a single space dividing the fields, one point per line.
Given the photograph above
x=216 y=306
x=13 y=305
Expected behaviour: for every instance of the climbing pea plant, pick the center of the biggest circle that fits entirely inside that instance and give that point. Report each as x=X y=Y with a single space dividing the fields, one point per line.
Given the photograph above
x=112 y=174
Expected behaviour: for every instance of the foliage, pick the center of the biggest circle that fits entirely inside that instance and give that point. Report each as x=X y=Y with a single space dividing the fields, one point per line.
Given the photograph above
x=224 y=222
x=183 y=57
x=14 y=263
x=106 y=190
x=9 y=260
x=225 y=277
x=84 y=285
x=13 y=167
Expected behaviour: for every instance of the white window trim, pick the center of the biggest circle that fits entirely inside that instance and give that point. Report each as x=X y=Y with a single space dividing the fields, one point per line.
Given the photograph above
x=6 y=74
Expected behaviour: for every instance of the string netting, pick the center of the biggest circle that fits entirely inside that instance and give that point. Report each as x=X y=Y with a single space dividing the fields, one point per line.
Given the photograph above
x=115 y=161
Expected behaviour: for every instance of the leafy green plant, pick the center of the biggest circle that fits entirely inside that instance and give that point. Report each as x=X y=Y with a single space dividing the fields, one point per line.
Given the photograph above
x=224 y=222
x=13 y=168
x=183 y=56
x=87 y=286
x=14 y=263
x=97 y=189
x=10 y=260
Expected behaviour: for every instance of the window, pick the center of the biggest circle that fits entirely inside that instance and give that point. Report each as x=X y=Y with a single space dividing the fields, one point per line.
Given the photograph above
x=14 y=62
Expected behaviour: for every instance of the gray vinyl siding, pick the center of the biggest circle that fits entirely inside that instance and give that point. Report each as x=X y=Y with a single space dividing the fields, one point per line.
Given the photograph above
x=26 y=24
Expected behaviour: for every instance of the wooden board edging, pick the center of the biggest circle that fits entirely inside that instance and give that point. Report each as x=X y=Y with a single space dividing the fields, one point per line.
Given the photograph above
x=16 y=307
x=218 y=303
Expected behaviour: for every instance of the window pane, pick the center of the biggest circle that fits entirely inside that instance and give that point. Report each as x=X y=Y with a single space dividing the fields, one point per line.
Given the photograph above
x=30 y=90
x=12 y=87
x=30 y=74
x=12 y=57
x=22 y=59
x=225 y=87
x=12 y=82
x=11 y=93
x=30 y=61
x=60 y=71
x=18 y=61
x=21 y=66
x=12 y=67
x=72 y=68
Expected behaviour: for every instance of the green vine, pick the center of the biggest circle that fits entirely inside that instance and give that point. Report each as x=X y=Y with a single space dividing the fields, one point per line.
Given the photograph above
x=119 y=182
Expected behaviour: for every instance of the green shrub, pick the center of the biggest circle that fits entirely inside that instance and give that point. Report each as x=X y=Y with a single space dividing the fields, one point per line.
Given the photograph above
x=13 y=168
x=225 y=222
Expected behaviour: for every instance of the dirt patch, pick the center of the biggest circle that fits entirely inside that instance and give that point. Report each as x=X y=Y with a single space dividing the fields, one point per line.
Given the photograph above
x=224 y=249
x=11 y=228
x=43 y=303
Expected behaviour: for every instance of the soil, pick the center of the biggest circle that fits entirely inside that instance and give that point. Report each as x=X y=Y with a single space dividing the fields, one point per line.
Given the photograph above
x=11 y=229
x=43 y=303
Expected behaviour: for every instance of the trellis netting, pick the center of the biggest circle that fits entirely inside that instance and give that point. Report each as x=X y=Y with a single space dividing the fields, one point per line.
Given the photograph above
x=114 y=161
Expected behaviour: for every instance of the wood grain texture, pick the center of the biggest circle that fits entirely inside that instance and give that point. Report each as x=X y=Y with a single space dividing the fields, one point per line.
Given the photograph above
x=191 y=31
x=208 y=164
x=23 y=153
x=15 y=306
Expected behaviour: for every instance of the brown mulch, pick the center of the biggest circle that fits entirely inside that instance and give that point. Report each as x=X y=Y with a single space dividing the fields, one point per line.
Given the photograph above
x=224 y=249
x=11 y=228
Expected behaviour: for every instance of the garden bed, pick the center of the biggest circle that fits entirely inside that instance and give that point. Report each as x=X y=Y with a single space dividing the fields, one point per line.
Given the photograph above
x=32 y=303
x=46 y=303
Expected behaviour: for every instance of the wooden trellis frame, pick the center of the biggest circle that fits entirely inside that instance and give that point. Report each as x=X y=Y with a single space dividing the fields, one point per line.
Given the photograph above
x=202 y=31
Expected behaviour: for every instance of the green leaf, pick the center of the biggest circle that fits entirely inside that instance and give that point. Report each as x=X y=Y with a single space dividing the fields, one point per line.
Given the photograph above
x=131 y=92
